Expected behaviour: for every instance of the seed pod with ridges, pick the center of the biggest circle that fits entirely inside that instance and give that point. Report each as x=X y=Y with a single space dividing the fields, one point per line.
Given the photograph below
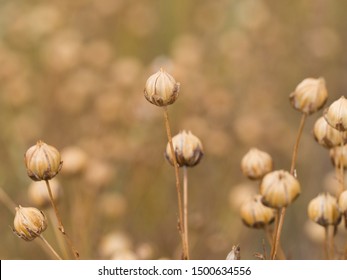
x=161 y=89
x=279 y=189
x=38 y=194
x=188 y=149
x=256 y=163
x=324 y=210
x=326 y=135
x=343 y=202
x=42 y=161
x=336 y=114
x=29 y=223
x=309 y=96
x=338 y=156
x=255 y=214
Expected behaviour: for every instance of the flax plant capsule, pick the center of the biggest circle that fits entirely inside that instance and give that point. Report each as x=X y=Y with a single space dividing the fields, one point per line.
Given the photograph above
x=161 y=89
x=324 y=210
x=338 y=156
x=309 y=96
x=188 y=149
x=343 y=202
x=326 y=135
x=256 y=163
x=336 y=114
x=29 y=223
x=279 y=189
x=255 y=214
x=42 y=161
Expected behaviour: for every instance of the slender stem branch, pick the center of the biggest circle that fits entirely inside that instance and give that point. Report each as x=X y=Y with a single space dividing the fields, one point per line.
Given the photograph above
x=50 y=247
x=7 y=201
x=342 y=173
x=185 y=206
x=60 y=240
x=60 y=223
x=181 y=228
x=282 y=211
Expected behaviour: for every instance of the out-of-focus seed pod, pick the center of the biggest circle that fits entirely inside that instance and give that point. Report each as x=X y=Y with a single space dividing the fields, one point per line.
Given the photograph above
x=326 y=135
x=279 y=189
x=75 y=160
x=324 y=210
x=42 y=161
x=256 y=215
x=38 y=194
x=188 y=149
x=338 y=156
x=343 y=202
x=29 y=223
x=161 y=89
x=256 y=163
x=235 y=253
x=309 y=96
x=336 y=114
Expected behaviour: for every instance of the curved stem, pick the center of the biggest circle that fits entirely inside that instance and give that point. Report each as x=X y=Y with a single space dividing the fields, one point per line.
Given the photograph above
x=7 y=201
x=60 y=223
x=50 y=247
x=181 y=228
x=185 y=206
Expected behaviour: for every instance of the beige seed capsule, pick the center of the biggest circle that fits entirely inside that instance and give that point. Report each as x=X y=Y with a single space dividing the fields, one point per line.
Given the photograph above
x=161 y=89
x=309 y=96
x=324 y=210
x=29 y=223
x=256 y=163
x=42 y=161
x=188 y=149
x=279 y=189
x=343 y=202
x=336 y=114
x=338 y=156
x=326 y=135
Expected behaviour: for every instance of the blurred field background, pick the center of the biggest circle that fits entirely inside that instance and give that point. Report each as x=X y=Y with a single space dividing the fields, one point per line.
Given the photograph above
x=72 y=73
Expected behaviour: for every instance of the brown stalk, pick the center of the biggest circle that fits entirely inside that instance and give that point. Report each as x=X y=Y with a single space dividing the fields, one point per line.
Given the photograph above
x=185 y=205
x=50 y=247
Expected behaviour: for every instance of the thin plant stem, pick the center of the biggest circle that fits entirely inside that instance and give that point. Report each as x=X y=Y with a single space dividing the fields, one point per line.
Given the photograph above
x=7 y=201
x=185 y=206
x=58 y=236
x=342 y=173
x=331 y=230
x=60 y=223
x=181 y=228
x=282 y=211
x=269 y=237
x=50 y=247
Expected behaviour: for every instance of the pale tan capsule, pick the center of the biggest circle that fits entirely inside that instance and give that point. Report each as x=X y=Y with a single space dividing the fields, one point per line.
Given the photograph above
x=338 y=156
x=255 y=214
x=75 y=160
x=42 y=161
x=39 y=196
x=279 y=189
x=29 y=223
x=309 y=96
x=336 y=114
x=161 y=89
x=343 y=201
x=188 y=149
x=324 y=210
x=256 y=163
x=326 y=135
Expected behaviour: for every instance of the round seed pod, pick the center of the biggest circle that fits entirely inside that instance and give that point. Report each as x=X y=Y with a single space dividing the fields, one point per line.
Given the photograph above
x=39 y=196
x=188 y=149
x=255 y=214
x=338 y=156
x=336 y=114
x=324 y=210
x=343 y=202
x=279 y=189
x=256 y=163
x=29 y=223
x=75 y=160
x=42 y=161
x=326 y=135
x=161 y=89
x=309 y=96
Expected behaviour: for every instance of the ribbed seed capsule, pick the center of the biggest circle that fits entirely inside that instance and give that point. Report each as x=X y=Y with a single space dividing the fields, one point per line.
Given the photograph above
x=161 y=89
x=326 y=135
x=343 y=202
x=29 y=223
x=336 y=114
x=42 y=161
x=324 y=210
x=255 y=214
x=338 y=156
x=279 y=189
x=38 y=194
x=309 y=96
x=188 y=149
x=256 y=163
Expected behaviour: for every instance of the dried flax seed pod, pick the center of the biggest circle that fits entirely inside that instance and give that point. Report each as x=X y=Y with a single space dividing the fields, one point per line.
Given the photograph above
x=309 y=96
x=188 y=149
x=255 y=214
x=336 y=114
x=326 y=135
x=29 y=223
x=161 y=89
x=256 y=163
x=338 y=156
x=343 y=202
x=42 y=161
x=324 y=210
x=279 y=189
